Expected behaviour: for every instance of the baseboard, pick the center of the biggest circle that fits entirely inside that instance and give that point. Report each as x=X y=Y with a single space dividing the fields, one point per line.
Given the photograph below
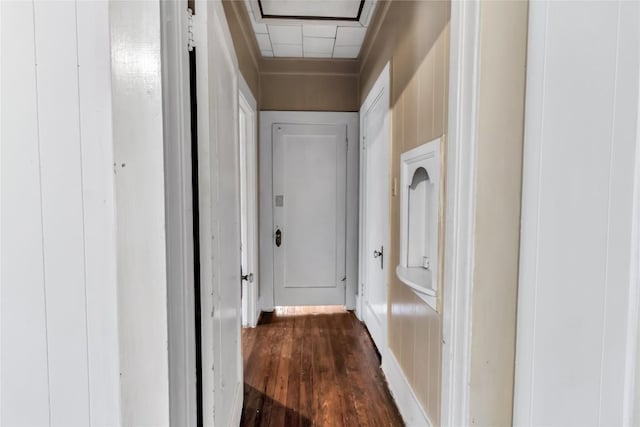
x=412 y=412
x=237 y=406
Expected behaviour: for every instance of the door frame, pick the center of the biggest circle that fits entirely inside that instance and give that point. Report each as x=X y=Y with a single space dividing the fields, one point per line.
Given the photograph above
x=247 y=102
x=460 y=200
x=381 y=87
x=176 y=104
x=266 y=253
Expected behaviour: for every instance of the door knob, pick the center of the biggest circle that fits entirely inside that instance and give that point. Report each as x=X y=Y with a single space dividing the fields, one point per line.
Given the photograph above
x=248 y=277
x=380 y=254
x=278 y=237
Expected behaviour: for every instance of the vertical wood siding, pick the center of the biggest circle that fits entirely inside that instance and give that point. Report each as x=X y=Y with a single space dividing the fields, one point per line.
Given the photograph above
x=59 y=355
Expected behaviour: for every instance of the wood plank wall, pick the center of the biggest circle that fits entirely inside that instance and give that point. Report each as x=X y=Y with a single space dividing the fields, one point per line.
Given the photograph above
x=59 y=312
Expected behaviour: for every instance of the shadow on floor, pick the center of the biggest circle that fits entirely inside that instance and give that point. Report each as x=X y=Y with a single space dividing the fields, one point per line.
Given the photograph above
x=261 y=410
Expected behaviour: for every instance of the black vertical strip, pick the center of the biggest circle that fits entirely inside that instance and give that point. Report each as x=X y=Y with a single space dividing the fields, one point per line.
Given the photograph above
x=196 y=230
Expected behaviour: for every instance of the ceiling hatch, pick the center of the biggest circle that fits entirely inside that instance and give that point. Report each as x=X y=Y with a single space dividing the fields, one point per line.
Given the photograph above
x=310 y=28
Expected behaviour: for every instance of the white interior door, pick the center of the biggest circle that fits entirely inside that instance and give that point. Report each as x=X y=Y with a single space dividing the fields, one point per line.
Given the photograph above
x=309 y=213
x=248 y=203
x=219 y=191
x=375 y=209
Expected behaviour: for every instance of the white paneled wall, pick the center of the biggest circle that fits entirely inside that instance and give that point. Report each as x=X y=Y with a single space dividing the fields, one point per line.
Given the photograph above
x=59 y=356
x=577 y=343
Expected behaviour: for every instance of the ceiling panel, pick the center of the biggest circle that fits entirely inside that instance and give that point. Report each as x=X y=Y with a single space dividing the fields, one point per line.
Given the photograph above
x=287 y=50
x=350 y=36
x=285 y=34
x=264 y=43
x=311 y=9
x=350 y=52
x=310 y=30
x=317 y=45
x=318 y=55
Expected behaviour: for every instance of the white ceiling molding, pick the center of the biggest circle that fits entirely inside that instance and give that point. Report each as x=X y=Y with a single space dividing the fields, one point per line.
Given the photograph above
x=310 y=28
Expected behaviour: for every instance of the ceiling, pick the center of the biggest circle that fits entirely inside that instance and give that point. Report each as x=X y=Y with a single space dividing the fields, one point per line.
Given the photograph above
x=310 y=28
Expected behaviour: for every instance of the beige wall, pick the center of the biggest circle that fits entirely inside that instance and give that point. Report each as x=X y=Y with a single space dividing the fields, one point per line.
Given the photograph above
x=414 y=36
x=303 y=92
x=309 y=85
x=245 y=44
x=503 y=41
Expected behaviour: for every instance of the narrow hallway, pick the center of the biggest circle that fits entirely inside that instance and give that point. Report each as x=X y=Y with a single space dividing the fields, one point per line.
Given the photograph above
x=313 y=366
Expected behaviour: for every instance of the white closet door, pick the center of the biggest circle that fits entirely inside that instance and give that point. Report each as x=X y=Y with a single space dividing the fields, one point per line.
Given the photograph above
x=309 y=213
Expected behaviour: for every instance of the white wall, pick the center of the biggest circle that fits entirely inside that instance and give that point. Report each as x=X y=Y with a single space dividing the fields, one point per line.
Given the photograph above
x=59 y=358
x=578 y=297
x=178 y=214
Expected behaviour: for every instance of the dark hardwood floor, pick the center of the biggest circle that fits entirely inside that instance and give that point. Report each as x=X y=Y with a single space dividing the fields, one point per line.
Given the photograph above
x=313 y=366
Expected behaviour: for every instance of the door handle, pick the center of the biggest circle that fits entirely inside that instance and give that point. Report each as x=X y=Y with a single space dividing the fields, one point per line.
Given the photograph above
x=247 y=277
x=278 y=237
x=380 y=254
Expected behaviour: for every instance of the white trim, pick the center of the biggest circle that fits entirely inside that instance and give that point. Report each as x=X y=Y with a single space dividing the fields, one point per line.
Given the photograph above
x=243 y=88
x=420 y=280
x=402 y=392
x=236 y=408
x=178 y=214
x=267 y=119
x=248 y=104
x=631 y=403
x=460 y=212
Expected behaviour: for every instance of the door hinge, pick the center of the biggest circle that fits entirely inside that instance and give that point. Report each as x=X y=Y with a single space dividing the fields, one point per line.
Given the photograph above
x=191 y=43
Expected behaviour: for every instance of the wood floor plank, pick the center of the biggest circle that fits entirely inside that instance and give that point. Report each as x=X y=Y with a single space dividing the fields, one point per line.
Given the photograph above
x=279 y=407
x=346 y=373
x=305 y=402
x=314 y=366
x=292 y=416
